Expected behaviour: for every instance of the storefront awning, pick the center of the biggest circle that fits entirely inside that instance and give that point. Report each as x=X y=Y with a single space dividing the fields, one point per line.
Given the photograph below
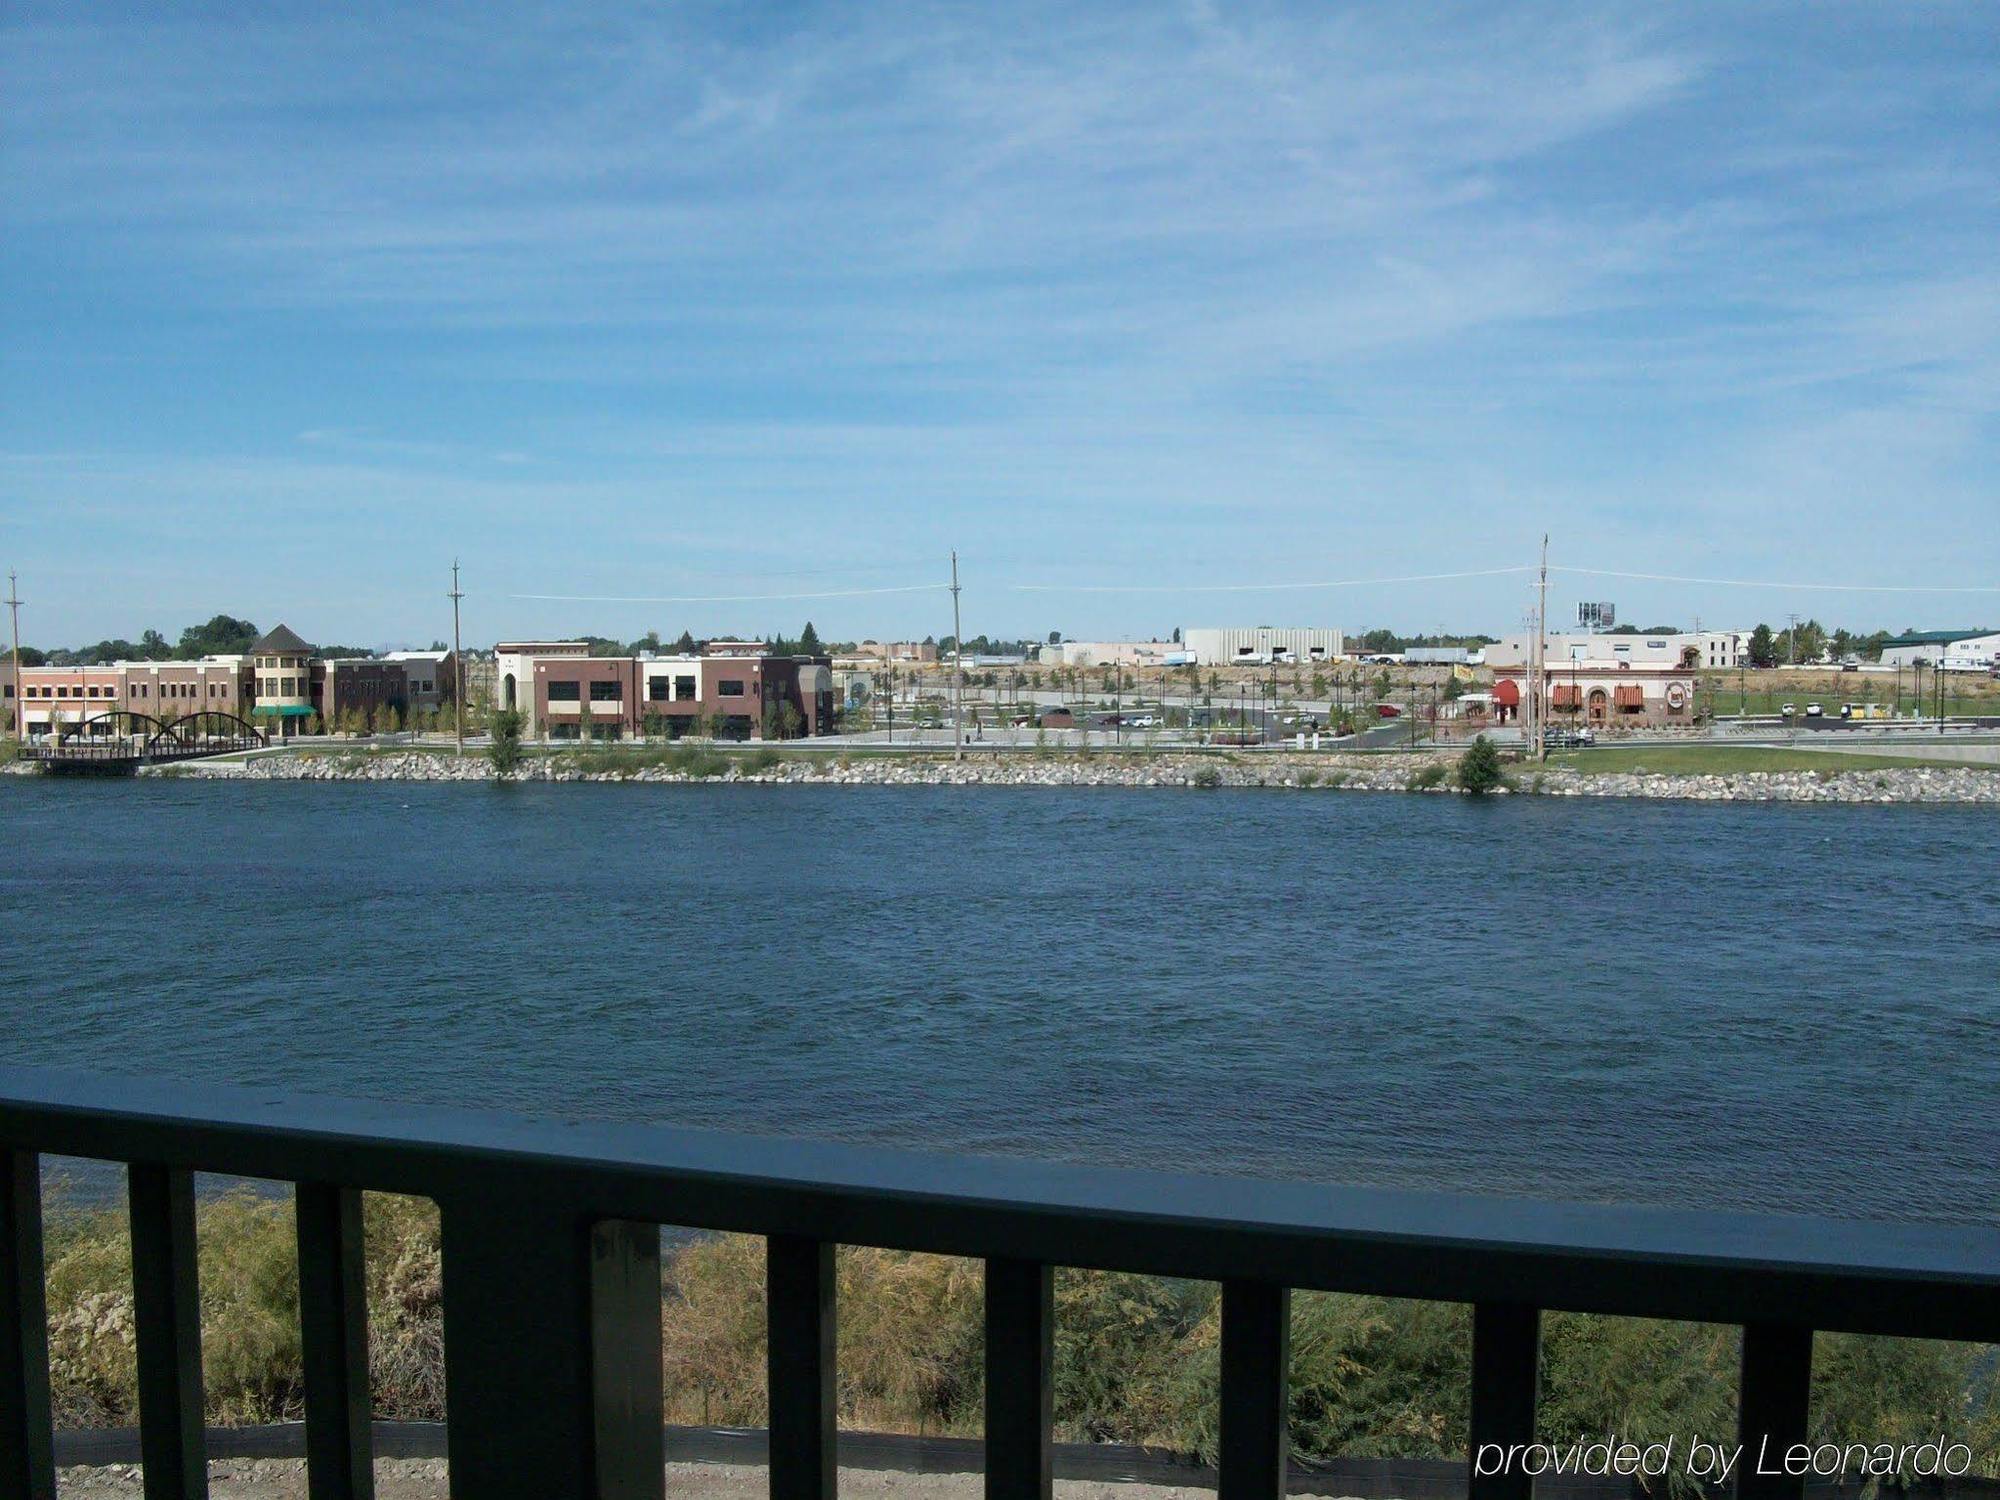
x=285 y=710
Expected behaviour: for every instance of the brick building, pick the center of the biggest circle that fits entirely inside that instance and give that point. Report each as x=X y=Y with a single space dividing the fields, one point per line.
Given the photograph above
x=734 y=691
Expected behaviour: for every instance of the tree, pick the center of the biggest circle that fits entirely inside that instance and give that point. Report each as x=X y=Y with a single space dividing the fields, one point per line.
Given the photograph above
x=1763 y=647
x=153 y=646
x=685 y=646
x=1479 y=768
x=223 y=635
x=1055 y=637
x=506 y=751
x=809 y=642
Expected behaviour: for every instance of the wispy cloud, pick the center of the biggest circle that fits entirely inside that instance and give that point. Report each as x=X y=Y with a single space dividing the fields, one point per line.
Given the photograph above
x=1122 y=275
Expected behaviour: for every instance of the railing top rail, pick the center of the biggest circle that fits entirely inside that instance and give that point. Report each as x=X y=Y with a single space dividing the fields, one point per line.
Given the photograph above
x=1915 y=1278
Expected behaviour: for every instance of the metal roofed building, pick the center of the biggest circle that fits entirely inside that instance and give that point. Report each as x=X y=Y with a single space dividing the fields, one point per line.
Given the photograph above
x=1954 y=650
x=1259 y=645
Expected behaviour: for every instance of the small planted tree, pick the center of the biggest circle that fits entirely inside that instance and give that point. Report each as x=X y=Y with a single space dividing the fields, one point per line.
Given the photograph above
x=506 y=751
x=1479 y=768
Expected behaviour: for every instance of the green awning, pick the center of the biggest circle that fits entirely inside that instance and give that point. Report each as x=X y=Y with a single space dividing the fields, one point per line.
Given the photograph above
x=285 y=710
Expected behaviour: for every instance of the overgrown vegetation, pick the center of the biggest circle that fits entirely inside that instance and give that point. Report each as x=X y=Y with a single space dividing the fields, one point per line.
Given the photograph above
x=505 y=752
x=1136 y=1356
x=1425 y=777
x=1479 y=768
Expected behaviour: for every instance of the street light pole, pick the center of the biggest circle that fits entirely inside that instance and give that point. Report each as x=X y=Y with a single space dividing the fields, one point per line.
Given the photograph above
x=957 y=667
x=20 y=697
x=457 y=662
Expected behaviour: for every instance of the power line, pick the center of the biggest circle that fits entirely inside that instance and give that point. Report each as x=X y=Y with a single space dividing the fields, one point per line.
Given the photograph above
x=913 y=588
x=1766 y=583
x=1255 y=589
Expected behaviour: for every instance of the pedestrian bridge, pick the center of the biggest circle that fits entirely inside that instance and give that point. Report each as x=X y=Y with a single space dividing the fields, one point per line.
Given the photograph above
x=118 y=742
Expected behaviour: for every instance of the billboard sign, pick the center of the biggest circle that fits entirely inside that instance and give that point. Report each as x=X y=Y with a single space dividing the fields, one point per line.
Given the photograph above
x=1597 y=616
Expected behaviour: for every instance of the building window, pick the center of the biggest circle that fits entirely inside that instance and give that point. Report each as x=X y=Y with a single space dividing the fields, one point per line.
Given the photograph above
x=565 y=692
x=606 y=692
x=684 y=690
x=729 y=689
x=658 y=689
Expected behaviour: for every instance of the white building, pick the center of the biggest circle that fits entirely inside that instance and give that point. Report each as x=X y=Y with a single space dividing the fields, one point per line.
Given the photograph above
x=1260 y=645
x=1112 y=653
x=1714 y=650
x=1958 y=651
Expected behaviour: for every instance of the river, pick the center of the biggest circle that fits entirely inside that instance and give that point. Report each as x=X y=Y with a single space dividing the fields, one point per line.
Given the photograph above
x=1726 y=1005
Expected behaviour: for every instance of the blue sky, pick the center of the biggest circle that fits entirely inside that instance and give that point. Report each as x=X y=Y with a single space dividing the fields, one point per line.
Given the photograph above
x=301 y=300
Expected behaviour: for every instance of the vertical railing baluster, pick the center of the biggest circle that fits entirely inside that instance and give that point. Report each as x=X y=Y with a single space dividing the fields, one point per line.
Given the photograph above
x=1506 y=1378
x=1020 y=1384
x=1256 y=1340
x=1773 y=1408
x=333 y=1336
x=630 y=1395
x=166 y=1316
x=27 y=1458
x=799 y=1289
x=524 y=1322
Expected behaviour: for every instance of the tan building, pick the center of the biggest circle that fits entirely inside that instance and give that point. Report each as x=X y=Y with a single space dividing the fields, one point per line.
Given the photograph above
x=1602 y=692
x=282 y=665
x=921 y=653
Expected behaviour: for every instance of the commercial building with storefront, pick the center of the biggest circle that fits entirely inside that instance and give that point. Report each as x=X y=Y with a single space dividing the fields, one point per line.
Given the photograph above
x=733 y=691
x=66 y=697
x=1601 y=681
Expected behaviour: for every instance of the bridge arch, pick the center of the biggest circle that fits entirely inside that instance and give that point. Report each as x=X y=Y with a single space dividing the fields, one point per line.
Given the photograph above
x=209 y=732
x=116 y=723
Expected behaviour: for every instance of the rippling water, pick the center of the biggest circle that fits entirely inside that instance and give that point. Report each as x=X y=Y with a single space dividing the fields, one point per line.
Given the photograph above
x=1783 y=1008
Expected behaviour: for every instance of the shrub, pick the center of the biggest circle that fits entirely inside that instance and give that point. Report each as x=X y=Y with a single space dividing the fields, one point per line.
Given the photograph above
x=506 y=749
x=1206 y=777
x=1135 y=1358
x=1479 y=768
x=1425 y=778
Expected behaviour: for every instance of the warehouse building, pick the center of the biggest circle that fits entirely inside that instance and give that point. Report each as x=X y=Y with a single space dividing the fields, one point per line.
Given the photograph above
x=1954 y=650
x=1260 y=645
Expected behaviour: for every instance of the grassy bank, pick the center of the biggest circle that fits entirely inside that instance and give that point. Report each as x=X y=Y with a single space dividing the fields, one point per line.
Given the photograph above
x=1135 y=1356
x=1727 y=760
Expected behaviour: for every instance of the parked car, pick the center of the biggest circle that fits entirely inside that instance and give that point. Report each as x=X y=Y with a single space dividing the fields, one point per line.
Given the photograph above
x=1567 y=739
x=1788 y=710
x=1814 y=711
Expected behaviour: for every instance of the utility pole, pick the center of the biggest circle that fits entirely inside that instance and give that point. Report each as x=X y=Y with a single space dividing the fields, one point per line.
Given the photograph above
x=957 y=667
x=1537 y=652
x=1792 y=637
x=20 y=697
x=457 y=660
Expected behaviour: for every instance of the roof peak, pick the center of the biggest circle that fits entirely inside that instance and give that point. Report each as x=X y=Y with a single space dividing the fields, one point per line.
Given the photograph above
x=280 y=638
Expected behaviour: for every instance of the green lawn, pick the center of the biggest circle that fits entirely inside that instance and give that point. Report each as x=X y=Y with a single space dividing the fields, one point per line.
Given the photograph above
x=1726 y=700
x=1723 y=760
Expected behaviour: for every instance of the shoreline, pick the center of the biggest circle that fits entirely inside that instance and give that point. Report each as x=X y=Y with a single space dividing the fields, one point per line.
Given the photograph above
x=1423 y=773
